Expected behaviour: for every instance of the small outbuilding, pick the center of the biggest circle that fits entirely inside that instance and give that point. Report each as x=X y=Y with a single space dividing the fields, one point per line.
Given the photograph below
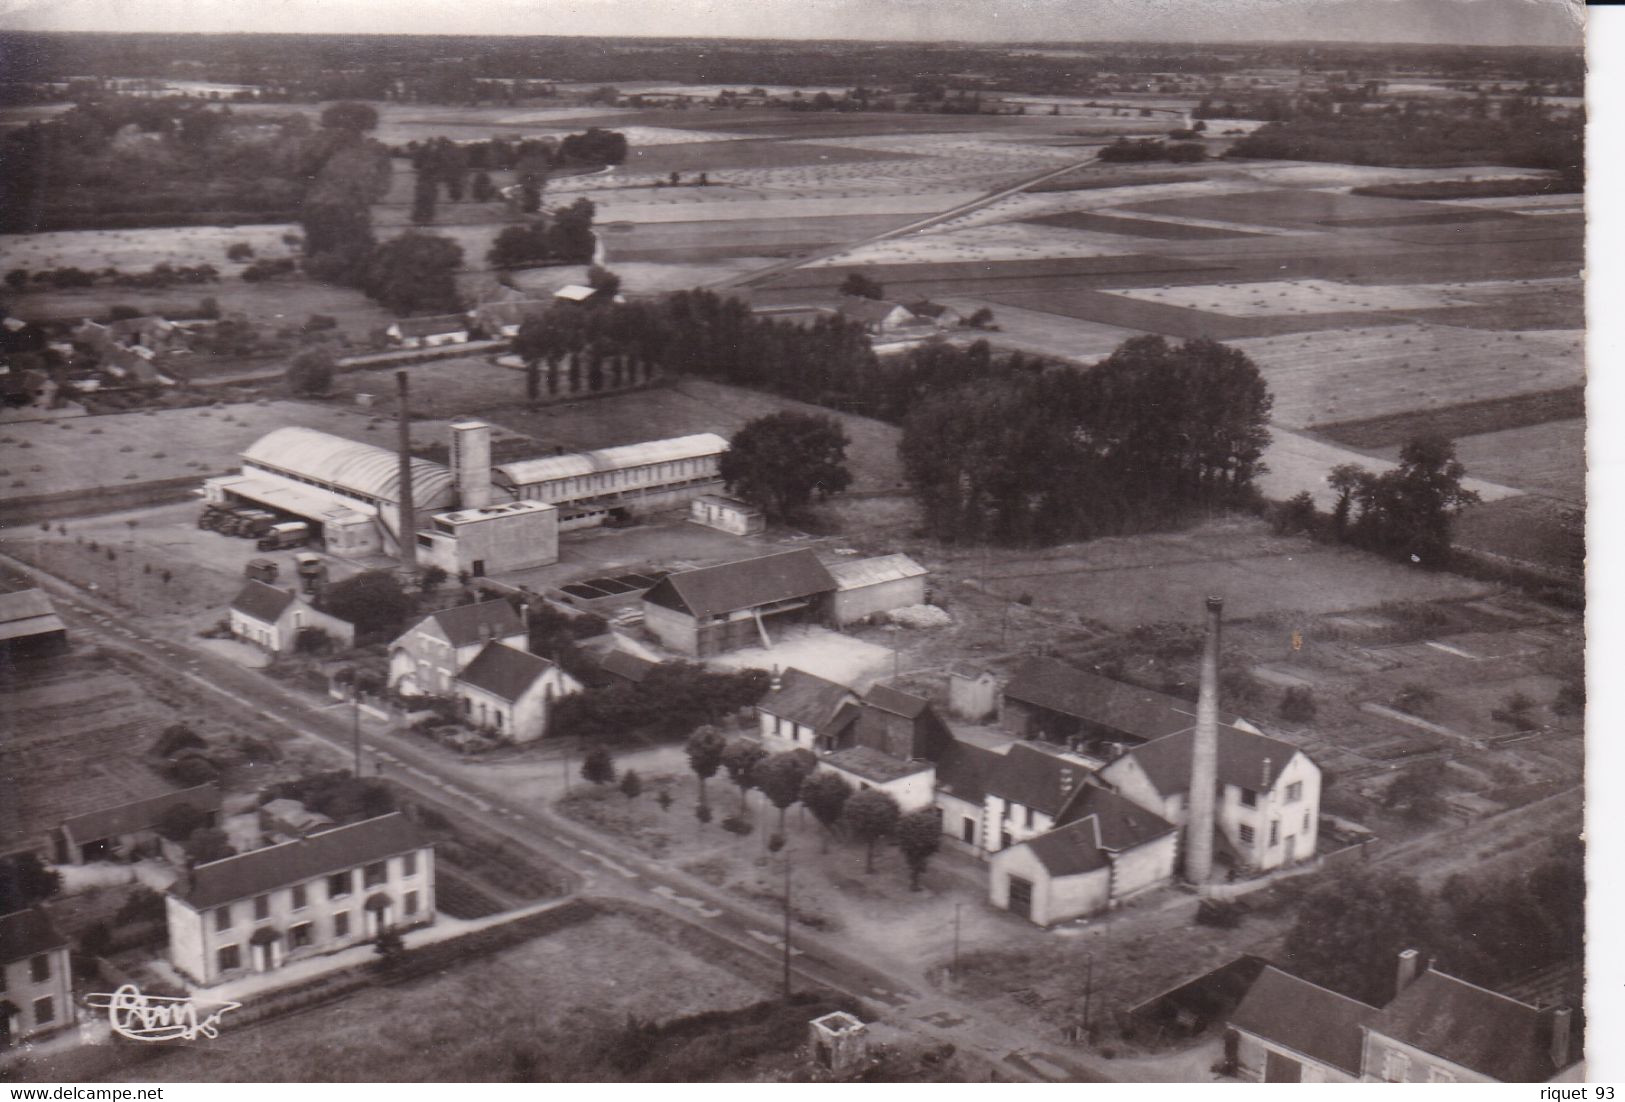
x=130 y=828
x=727 y=514
x=429 y=332
x=840 y=1043
x=868 y=587
x=272 y=618
x=29 y=626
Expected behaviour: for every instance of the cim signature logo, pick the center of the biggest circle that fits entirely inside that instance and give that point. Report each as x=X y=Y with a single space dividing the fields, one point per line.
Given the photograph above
x=158 y=1017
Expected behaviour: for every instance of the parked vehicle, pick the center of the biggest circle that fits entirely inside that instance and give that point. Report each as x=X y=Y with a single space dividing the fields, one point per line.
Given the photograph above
x=211 y=516
x=253 y=523
x=293 y=533
x=261 y=570
x=312 y=571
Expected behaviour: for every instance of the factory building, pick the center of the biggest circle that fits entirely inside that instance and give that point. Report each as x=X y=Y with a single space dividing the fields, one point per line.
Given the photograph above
x=469 y=517
x=614 y=483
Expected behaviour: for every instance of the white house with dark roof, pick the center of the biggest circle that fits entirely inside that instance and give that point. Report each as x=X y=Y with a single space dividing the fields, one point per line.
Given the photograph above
x=510 y=692
x=1104 y=850
x=800 y=710
x=1268 y=806
x=963 y=771
x=425 y=659
x=36 y=980
x=1026 y=792
x=272 y=618
x=912 y=783
x=259 y=910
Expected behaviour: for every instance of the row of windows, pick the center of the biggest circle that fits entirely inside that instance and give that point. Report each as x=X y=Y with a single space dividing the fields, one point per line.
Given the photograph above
x=339 y=885
x=561 y=490
x=302 y=935
x=1246 y=834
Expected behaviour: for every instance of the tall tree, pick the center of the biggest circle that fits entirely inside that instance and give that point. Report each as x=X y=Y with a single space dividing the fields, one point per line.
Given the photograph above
x=1412 y=508
x=919 y=835
x=631 y=785
x=859 y=285
x=783 y=460
x=1349 y=933
x=869 y=816
x=705 y=748
x=739 y=759
x=415 y=273
x=310 y=372
x=780 y=777
x=825 y=794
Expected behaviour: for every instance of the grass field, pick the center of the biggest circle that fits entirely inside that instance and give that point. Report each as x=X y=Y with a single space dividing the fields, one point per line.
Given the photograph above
x=1297 y=207
x=717 y=157
x=1492 y=415
x=1136 y=227
x=1546 y=458
x=139 y=250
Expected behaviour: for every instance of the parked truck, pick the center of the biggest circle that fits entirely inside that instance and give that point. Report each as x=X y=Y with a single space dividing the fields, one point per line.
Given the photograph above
x=261 y=570
x=249 y=523
x=312 y=571
x=293 y=533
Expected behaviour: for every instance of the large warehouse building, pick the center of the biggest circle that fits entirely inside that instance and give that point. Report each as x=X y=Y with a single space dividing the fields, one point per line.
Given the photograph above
x=469 y=517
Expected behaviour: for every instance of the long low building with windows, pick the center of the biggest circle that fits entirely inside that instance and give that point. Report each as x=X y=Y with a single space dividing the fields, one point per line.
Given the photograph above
x=613 y=483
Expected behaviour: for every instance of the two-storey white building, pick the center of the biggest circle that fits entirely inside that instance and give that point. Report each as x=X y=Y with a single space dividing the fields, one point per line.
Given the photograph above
x=425 y=659
x=511 y=692
x=259 y=910
x=36 y=983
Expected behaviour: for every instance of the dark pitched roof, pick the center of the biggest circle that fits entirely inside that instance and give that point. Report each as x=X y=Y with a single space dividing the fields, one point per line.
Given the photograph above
x=504 y=671
x=1070 y=850
x=964 y=769
x=462 y=624
x=110 y=822
x=1035 y=778
x=1138 y=712
x=874 y=765
x=870 y=310
x=262 y=870
x=895 y=701
x=732 y=586
x=925 y=308
x=806 y=698
x=1121 y=823
x=1482 y=1031
x=24 y=933
x=1245 y=759
x=625 y=664
x=265 y=603
x=428 y=327
x=1306 y=1018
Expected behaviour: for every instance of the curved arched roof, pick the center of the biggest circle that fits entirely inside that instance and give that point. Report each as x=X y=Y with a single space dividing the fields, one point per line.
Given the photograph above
x=360 y=468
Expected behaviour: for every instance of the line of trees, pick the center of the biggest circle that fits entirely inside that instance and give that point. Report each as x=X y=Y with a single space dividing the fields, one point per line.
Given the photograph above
x=565 y=237
x=1407 y=512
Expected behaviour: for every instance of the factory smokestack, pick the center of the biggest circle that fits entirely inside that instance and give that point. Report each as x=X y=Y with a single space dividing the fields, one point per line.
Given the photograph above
x=406 y=524
x=1204 y=756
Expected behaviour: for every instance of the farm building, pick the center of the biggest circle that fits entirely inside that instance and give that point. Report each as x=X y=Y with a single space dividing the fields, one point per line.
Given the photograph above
x=29 y=626
x=503 y=319
x=126 y=829
x=1267 y=808
x=425 y=659
x=515 y=535
x=962 y=775
x=943 y=317
x=36 y=983
x=574 y=292
x=1104 y=851
x=803 y=711
x=1027 y=792
x=973 y=692
x=1055 y=702
x=727 y=514
x=1436 y=1029
x=258 y=911
x=881 y=318
x=868 y=587
x=429 y=332
x=613 y=483
x=510 y=692
x=1289 y=1030
x=910 y=783
x=720 y=608
x=626 y=668
x=273 y=618
x=897 y=723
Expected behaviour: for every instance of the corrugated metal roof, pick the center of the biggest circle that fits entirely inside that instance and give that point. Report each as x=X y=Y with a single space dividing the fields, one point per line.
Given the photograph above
x=857 y=573
x=530 y=471
x=293 y=499
x=361 y=468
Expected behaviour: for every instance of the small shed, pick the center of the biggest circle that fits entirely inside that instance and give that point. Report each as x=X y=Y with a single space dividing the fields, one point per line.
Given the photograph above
x=129 y=828
x=29 y=626
x=973 y=692
x=840 y=1043
x=429 y=332
x=727 y=514
x=867 y=587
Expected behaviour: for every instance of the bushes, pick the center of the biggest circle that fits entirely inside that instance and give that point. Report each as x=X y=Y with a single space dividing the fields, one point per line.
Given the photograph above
x=1298 y=704
x=1413 y=698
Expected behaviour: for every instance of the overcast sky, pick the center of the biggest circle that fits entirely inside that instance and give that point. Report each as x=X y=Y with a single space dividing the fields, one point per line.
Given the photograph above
x=1511 y=22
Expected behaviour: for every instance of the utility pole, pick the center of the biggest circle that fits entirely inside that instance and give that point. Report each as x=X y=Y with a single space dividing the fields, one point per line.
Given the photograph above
x=1088 y=989
x=957 y=907
x=355 y=726
x=787 y=924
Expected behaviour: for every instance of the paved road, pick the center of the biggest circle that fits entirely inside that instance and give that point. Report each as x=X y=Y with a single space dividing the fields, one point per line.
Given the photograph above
x=604 y=867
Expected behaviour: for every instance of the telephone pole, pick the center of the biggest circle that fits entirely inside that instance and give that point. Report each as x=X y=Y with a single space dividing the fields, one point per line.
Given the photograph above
x=957 y=906
x=787 y=923
x=355 y=726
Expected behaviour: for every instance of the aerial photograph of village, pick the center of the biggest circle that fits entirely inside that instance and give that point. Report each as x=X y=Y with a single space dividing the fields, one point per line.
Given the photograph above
x=835 y=545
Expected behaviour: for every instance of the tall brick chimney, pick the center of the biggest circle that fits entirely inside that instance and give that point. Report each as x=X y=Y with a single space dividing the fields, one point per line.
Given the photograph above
x=406 y=524
x=1204 y=756
x=1410 y=966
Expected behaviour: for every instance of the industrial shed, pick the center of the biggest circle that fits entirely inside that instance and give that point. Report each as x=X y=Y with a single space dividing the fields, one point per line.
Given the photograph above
x=349 y=492
x=130 y=828
x=614 y=483
x=868 y=587
x=720 y=608
x=29 y=626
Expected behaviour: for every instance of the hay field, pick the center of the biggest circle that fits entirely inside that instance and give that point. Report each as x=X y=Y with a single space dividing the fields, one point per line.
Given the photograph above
x=1348 y=375
x=1007 y=242
x=138 y=250
x=1297 y=296
x=1544 y=459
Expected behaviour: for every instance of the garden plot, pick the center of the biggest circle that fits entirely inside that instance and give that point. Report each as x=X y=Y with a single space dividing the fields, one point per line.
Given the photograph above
x=1123 y=224
x=1322 y=175
x=1008 y=241
x=139 y=250
x=813 y=204
x=1290 y=207
x=1355 y=374
x=719 y=157
x=1297 y=296
x=953 y=148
